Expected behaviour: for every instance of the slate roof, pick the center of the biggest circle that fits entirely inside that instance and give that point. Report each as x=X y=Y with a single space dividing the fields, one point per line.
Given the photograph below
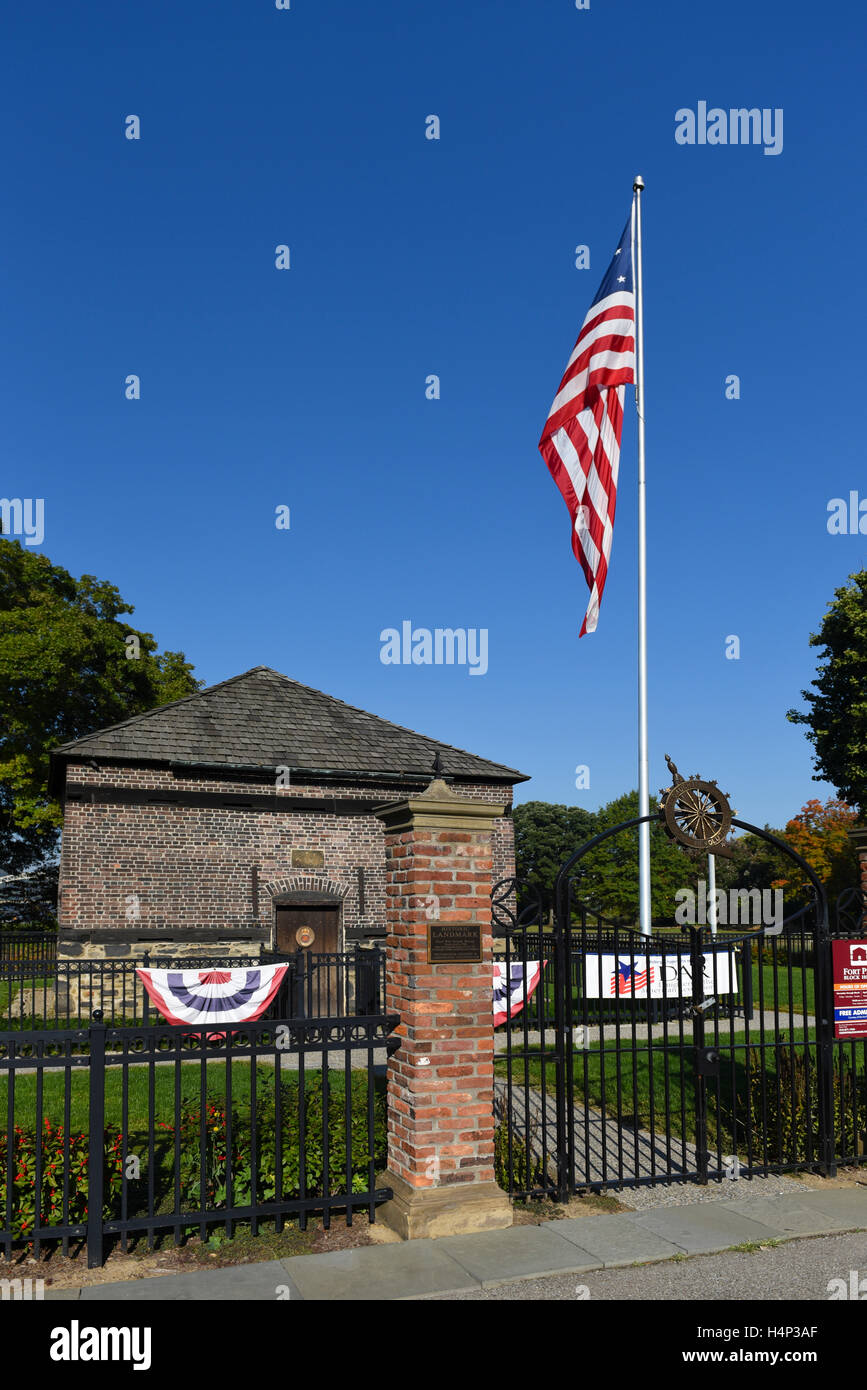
x=262 y=719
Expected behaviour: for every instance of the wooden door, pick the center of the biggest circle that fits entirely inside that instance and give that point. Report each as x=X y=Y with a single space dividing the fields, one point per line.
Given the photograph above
x=323 y=922
x=313 y=932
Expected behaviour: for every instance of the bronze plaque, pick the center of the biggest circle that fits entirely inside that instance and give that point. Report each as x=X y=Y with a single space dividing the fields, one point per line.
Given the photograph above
x=453 y=941
x=305 y=936
x=308 y=859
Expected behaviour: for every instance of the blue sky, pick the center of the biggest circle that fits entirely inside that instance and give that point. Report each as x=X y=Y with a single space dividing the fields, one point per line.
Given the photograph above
x=409 y=256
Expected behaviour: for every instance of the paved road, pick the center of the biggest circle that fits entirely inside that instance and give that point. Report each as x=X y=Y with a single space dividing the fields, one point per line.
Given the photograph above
x=799 y=1270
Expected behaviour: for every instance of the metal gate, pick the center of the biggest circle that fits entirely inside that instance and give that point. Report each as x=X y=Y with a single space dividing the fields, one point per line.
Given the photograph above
x=681 y=1056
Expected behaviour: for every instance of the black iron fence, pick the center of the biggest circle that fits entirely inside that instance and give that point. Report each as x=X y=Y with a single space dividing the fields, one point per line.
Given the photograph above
x=37 y=947
x=46 y=992
x=682 y=1055
x=119 y=1134
x=794 y=949
x=748 y=960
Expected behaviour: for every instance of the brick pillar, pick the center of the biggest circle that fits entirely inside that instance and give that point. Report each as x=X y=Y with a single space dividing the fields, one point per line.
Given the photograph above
x=440 y=1082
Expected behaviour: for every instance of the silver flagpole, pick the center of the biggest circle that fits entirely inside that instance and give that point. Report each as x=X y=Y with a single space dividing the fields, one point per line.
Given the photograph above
x=643 y=757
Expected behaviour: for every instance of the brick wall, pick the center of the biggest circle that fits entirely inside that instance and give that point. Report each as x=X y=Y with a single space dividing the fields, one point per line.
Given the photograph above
x=166 y=869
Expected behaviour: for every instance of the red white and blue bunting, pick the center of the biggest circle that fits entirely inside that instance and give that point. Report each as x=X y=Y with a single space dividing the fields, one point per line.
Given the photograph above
x=513 y=989
x=212 y=996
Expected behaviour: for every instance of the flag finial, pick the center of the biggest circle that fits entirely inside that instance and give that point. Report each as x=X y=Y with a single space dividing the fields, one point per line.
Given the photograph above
x=638 y=184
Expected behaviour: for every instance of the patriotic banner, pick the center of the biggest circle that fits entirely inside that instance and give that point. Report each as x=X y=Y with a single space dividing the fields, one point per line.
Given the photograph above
x=656 y=977
x=509 y=994
x=581 y=439
x=212 y=996
x=631 y=980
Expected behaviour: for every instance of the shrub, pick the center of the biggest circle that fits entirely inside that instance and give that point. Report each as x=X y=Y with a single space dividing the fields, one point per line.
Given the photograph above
x=788 y=1098
x=199 y=1135
x=204 y=1140
x=527 y=1170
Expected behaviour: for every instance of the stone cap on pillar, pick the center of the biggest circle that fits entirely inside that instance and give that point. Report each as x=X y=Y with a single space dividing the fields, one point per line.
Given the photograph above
x=434 y=806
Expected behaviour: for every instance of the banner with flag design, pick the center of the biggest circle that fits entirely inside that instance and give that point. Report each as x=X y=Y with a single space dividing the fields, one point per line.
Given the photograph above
x=657 y=977
x=509 y=993
x=212 y=996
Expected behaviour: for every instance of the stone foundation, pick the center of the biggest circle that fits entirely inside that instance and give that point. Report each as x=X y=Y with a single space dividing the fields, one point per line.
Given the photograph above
x=158 y=947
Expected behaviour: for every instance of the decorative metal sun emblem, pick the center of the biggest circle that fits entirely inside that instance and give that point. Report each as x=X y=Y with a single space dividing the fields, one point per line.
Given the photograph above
x=696 y=813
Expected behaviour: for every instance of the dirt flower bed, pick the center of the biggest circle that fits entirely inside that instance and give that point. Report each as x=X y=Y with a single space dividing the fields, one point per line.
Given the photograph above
x=216 y=1252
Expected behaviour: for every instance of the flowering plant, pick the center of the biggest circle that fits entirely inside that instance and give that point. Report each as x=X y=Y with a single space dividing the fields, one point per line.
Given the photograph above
x=62 y=1196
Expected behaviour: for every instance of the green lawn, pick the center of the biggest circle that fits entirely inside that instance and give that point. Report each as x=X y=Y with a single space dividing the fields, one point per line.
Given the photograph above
x=12 y=1005
x=53 y=1093
x=785 y=993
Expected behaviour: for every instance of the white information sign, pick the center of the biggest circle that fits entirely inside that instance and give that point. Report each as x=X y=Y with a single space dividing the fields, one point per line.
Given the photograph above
x=656 y=977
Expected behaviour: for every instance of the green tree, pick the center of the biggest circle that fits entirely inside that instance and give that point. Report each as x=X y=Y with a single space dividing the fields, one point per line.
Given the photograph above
x=606 y=879
x=837 y=716
x=545 y=836
x=69 y=664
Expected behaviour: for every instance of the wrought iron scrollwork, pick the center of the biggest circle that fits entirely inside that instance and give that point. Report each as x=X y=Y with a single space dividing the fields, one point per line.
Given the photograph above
x=516 y=906
x=851 y=911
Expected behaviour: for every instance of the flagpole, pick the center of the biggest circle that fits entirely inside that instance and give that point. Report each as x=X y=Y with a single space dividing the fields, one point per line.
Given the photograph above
x=643 y=757
x=711 y=893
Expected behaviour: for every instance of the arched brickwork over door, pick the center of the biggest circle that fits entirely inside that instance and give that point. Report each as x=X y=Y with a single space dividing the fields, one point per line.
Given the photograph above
x=305 y=904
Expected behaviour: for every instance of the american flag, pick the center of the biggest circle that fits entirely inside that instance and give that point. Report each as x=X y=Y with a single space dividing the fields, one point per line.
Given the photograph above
x=629 y=979
x=581 y=439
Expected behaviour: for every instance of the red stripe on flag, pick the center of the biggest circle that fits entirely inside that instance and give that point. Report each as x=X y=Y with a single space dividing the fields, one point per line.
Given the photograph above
x=592 y=449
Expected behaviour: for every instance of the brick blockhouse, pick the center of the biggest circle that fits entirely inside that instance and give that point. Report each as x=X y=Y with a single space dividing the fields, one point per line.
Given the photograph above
x=223 y=822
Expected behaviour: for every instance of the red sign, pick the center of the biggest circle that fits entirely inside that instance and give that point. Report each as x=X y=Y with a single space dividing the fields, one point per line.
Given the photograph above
x=850 y=989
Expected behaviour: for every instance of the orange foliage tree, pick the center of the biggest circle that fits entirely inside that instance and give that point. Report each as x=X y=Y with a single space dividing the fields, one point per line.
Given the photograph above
x=820 y=834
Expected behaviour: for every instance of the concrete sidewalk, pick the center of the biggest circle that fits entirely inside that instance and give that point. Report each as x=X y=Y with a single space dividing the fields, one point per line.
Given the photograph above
x=461 y=1264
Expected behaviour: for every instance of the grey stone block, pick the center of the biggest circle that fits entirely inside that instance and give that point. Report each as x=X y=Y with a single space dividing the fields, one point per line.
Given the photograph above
x=791 y=1215
x=238 y=1282
x=706 y=1226
x=380 y=1272
x=498 y=1257
x=843 y=1208
x=615 y=1240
